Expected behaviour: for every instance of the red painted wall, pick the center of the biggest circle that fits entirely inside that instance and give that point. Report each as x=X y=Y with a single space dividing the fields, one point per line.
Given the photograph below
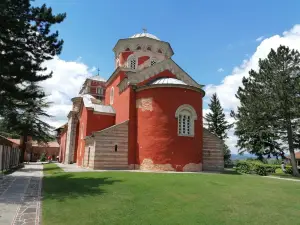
x=76 y=144
x=123 y=57
x=157 y=137
x=90 y=122
x=142 y=59
x=132 y=125
x=81 y=131
x=62 y=148
x=121 y=101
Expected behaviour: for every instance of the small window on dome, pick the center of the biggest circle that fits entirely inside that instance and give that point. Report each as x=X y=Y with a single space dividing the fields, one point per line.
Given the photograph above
x=149 y=48
x=159 y=51
x=138 y=48
x=153 y=61
x=132 y=62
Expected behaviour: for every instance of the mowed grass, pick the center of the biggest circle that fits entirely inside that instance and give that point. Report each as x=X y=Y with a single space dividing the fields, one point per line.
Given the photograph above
x=124 y=198
x=51 y=169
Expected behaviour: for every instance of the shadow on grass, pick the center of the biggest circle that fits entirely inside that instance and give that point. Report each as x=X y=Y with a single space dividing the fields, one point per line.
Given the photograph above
x=66 y=186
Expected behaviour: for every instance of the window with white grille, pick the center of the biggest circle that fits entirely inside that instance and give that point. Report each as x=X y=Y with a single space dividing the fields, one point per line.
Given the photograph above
x=153 y=61
x=100 y=91
x=186 y=115
x=132 y=62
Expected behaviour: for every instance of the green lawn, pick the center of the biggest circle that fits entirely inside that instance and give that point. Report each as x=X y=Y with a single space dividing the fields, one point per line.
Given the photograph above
x=51 y=169
x=124 y=198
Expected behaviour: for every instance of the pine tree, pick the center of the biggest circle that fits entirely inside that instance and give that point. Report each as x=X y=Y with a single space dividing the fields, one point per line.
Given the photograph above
x=217 y=124
x=29 y=123
x=26 y=42
x=270 y=104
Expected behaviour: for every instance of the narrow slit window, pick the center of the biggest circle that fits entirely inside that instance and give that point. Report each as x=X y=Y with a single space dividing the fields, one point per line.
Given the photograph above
x=116 y=148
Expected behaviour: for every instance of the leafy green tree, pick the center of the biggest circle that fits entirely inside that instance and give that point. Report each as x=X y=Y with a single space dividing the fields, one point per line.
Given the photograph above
x=217 y=124
x=269 y=114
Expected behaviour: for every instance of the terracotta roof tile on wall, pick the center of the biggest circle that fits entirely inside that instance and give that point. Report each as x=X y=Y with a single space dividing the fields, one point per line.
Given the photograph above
x=297 y=155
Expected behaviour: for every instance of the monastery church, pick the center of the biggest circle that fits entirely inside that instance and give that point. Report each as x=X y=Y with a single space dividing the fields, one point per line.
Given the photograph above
x=146 y=116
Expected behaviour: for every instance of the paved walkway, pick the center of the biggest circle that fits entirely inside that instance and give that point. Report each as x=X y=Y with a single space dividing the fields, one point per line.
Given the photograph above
x=283 y=178
x=20 y=194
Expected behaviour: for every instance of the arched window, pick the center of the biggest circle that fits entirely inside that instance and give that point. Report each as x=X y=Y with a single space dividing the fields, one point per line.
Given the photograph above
x=138 y=48
x=149 y=48
x=186 y=115
x=153 y=61
x=132 y=62
x=127 y=49
x=99 y=90
x=159 y=51
x=111 y=100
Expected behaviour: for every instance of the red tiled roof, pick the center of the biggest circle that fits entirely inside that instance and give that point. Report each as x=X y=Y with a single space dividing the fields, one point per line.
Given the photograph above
x=297 y=155
x=35 y=144
x=16 y=141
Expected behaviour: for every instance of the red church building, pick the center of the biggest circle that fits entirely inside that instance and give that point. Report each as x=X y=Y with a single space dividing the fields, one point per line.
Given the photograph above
x=147 y=115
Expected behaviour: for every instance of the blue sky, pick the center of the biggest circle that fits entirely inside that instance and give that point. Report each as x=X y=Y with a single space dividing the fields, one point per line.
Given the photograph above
x=206 y=36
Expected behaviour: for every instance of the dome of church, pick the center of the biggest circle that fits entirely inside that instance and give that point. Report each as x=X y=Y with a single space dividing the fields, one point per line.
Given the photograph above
x=144 y=34
x=168 y=81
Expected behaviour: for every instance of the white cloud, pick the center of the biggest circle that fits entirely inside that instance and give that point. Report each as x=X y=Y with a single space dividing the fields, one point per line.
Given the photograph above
x=66 y=81
x=259 y=38
x=220 y=70
x=227 y=89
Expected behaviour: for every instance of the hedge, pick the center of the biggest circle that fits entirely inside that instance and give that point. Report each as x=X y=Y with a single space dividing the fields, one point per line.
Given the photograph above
x=255 y=167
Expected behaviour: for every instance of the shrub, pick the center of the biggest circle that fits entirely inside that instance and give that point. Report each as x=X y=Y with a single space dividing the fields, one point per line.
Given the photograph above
x=255 y=167
x=289 y=170
x=43 y=157
x=243 y=167
x=260 y=169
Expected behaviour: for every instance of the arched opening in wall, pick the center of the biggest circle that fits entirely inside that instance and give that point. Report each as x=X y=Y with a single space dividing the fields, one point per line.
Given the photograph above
x=186 y=116
x=127 y=49
x=112 y=93
x=138 y=48
x=116 y=148
x=159 y=51
x=132 y=62
x=149 y=48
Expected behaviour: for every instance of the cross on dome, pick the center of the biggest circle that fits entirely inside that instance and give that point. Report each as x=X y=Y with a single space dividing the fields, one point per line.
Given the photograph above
x=145 y=34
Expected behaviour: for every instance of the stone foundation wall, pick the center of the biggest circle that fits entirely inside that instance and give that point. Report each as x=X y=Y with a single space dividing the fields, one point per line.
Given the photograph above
x=89 y=154
x=213 y=158
x=111 y=148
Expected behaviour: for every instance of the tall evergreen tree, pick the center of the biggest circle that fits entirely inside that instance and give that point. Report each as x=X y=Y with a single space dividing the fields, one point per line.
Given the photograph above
x=26 y=41
x=217 y=124
x=270 y=104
